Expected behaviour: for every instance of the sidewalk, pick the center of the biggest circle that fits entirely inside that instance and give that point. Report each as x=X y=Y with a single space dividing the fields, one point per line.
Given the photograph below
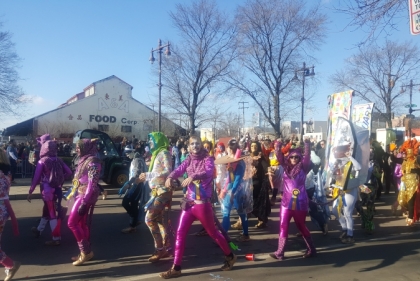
x=19 y=190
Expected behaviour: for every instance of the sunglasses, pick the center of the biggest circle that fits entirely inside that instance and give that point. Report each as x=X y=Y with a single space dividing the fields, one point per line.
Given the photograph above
x=294 y=157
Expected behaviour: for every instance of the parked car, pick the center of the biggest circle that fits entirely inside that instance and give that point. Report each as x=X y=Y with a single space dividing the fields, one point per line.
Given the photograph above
x=115 y=167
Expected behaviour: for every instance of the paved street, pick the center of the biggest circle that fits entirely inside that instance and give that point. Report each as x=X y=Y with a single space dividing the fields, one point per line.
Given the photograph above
x=390 y=254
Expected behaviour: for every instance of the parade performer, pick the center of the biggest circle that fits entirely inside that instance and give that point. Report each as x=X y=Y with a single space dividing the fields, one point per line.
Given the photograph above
x=408 y=197
x=133 y=191
x=161 y=196
x=50 y=174
x=345 y=172
x=6 y=211
x=294 y=203
x=368 y=195
x=85 y=180
x=275 y=170
x=316 y=210
x=397 y=180
x=197 y=205
x=262 y=206
x=220 y=169
x=237 y=189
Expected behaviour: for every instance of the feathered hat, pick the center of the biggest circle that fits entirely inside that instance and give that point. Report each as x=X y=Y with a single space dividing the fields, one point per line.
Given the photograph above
x=410 y=144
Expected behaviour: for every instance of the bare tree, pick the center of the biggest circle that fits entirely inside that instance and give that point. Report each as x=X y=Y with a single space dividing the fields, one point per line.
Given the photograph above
x=374 y=16
x=200 y=60
x=374 y=71
x=230 y=126
x=274 y=38
x=11 y=95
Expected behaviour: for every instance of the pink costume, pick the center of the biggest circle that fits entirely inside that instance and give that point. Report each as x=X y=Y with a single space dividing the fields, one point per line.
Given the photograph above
x=199 y=167
x=294 y=203
x=6 y=211
x=86 y=180
x=50 y=188
x=398 y=173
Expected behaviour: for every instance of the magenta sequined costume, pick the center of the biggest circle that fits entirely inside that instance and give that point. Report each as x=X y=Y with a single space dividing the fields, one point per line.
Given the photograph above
x=294 y=203
x=4 y=214
x=87 y=174
x=199 y=167
x=50 y=189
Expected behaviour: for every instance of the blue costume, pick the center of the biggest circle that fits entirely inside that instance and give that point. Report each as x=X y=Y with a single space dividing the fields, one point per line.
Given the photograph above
x=235 y=185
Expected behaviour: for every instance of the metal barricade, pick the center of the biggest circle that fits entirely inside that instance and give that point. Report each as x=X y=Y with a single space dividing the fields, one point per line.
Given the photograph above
x=24 y=169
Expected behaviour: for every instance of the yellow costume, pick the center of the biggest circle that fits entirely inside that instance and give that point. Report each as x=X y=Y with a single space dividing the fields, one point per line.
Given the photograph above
x=410 y=180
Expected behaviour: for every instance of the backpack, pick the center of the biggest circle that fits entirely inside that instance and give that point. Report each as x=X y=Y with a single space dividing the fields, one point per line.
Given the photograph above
x=56 y=173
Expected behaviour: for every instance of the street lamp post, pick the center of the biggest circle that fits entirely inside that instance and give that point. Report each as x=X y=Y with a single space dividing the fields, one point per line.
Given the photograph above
x=410 y=106
x=306 y=71
x=159 y=49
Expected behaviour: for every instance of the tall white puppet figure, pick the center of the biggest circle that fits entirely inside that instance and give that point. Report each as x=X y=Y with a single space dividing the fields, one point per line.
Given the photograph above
x=343 y=177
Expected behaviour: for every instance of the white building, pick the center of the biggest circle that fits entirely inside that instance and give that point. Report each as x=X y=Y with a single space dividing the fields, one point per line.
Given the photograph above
x=106 y=105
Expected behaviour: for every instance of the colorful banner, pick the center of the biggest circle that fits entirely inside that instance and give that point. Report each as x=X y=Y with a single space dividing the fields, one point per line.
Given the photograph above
x=361 y=115
x=339 y=105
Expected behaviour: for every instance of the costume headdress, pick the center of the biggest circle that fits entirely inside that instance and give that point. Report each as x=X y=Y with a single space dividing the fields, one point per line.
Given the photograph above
x=294 y=152
x=392 y=146
x=219 y=150
x=43 y=139
x=87 y=149
x=48 y=149
x=160 y=142
x=410 y=144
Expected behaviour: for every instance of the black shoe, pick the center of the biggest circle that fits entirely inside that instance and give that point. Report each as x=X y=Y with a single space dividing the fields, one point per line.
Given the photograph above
x=36 y=232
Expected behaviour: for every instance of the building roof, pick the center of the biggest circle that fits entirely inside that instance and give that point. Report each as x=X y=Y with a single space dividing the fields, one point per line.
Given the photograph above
x=81 y=95
x=26 y=127
x=108 y=78
x=20 y=129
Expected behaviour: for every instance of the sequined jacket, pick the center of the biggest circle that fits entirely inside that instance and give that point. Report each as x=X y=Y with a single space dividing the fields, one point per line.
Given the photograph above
x=162 y=166
x=294 y=192
x=201 y=171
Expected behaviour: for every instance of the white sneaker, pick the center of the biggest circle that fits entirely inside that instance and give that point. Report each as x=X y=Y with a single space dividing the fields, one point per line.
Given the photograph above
x=12 y=271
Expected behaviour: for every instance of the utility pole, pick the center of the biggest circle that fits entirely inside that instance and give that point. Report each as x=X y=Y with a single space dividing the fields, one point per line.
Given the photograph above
x=410 y=107
x=243 y=113
x=159 y=50
x=306 y=71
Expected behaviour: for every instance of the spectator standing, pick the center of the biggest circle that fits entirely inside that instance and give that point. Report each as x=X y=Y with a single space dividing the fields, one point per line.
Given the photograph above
x=13 y=158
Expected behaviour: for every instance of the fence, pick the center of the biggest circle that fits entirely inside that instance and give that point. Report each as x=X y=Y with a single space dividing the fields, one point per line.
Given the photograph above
x=24 y=169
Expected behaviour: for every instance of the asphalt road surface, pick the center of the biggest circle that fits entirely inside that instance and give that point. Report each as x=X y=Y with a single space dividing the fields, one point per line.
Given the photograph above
x=392 y=253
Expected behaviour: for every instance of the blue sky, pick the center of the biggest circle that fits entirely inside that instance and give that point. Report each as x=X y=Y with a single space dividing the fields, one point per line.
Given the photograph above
x=67 y=45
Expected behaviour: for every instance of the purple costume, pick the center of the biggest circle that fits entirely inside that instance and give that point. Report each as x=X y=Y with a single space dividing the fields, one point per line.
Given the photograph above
x=199 y=167
x=86 y=179
x=50 y=189
x=294 y=203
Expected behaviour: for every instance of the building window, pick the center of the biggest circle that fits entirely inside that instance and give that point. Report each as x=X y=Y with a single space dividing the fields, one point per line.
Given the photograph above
x=103 y=128
x=126 y=129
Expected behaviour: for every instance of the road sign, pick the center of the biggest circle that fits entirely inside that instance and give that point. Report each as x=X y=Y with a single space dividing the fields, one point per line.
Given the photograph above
x=412 y=105
x=414 y=6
